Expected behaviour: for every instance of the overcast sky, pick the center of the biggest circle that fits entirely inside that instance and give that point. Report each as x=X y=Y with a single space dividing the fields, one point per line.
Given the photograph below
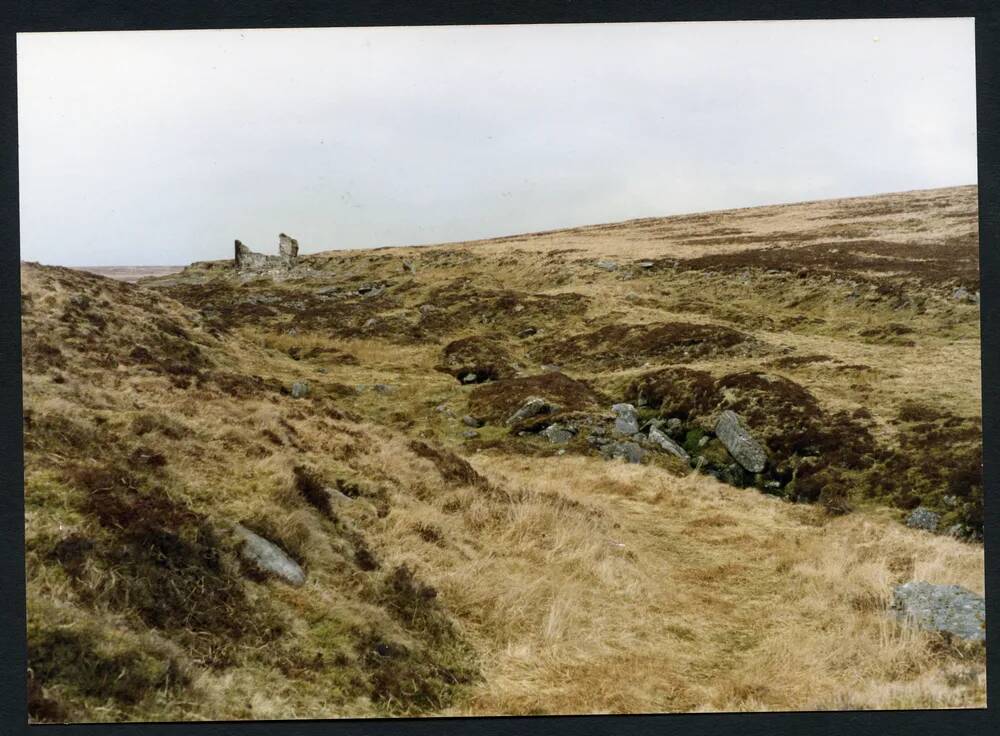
x=144 y=148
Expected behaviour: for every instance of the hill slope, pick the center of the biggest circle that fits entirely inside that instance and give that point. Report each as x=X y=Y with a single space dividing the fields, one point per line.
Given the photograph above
x=483 y=570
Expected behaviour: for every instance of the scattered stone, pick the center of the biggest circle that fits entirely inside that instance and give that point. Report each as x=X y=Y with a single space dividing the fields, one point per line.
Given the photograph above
x=370 y=289
x=469 y=378
x=674 y=427
x=742 y=445
x=527 y=332
x=470 y=434
x=408 y=266
x=300 y=389
x=337 y=496
x=922 y=518
x=557 y=434
x=533 y=406
x=645 y=264
x=960 y=294
x=550 y=369
x=667 y=445
x=269 y=558
x=470 y=421
x=630 y=451
x=946 y=608
x=626 y=419
x=607 y=265
x=703 y=441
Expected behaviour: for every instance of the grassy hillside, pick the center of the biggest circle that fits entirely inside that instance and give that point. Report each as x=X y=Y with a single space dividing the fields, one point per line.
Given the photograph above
x=461 y=569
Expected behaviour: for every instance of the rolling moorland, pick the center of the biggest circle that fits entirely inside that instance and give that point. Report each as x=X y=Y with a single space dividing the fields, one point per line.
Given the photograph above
x=424 y=439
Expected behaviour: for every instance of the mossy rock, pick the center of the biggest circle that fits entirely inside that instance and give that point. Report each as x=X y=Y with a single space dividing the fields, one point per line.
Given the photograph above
x=716 y=454
x=691 y=439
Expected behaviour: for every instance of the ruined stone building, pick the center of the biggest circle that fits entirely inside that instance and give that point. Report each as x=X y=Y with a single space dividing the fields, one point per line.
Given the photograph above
x=247 y=260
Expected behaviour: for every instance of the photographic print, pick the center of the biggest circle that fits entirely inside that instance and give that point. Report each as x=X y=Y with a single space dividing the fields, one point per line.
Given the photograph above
x=501 y=370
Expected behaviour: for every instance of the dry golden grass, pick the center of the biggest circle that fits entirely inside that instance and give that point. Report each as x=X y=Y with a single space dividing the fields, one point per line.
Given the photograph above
x=688 y=594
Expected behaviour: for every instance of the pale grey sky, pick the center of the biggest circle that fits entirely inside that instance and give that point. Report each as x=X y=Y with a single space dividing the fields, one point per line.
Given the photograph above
x=143 y=148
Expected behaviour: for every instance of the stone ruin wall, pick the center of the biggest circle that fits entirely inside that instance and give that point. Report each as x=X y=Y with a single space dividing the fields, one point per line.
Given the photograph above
x=247 y=260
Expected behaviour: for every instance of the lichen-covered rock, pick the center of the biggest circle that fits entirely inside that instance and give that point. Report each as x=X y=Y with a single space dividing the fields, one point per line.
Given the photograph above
x=922 y=518
x=269 y=558
x=532 y=406
x=558 y=433
x=742 y=445
x=946 y=608
x=630 y=451
x=626 y=419
x=661 y=440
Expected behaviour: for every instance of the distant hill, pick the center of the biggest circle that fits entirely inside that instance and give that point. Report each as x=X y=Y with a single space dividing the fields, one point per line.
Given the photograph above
x=130 y=273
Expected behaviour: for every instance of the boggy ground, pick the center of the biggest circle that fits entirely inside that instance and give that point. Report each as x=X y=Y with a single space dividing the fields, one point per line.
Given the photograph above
x=488 y=570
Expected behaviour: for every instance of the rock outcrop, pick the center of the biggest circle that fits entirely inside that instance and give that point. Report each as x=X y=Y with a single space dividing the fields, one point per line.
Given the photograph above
x=923 y=518
x=629 y=451
x=742 y=445
x=626 y=419
x=947 y=608
x=559 y=434
x=661 y=440
x=533 y=406
x=288 y=254
x=269 y=558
